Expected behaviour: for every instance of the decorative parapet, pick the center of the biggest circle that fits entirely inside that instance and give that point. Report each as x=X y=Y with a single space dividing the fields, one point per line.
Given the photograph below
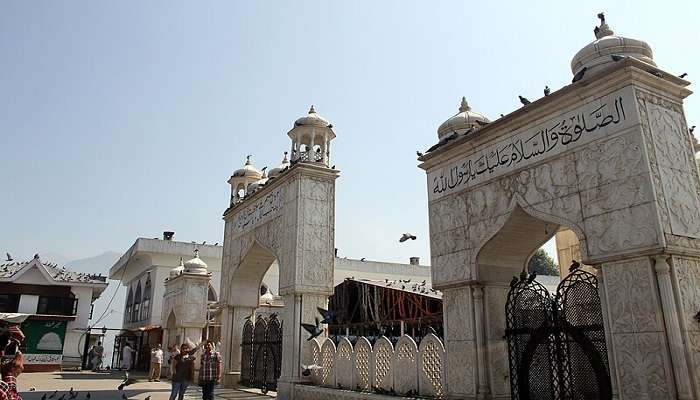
x=403 y=369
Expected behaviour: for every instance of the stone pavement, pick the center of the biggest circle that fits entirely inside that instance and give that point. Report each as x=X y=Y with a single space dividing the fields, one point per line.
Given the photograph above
x=103 y=386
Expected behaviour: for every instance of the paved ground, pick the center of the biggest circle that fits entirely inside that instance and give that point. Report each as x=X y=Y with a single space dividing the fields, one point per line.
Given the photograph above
x=103 y=386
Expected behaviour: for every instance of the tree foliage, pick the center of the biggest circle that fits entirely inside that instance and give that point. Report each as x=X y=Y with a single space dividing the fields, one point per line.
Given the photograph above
x=543 y=264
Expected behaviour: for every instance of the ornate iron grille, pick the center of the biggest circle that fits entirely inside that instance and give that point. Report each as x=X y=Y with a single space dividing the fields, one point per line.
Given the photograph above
x=556 y=346
x=261 y=352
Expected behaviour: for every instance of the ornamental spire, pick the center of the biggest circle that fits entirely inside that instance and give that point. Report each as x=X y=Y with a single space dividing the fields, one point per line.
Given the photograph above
x=464 y=106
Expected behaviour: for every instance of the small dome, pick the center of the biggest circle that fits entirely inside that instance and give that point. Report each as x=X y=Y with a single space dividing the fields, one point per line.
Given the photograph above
x=248 y=171
x=274 y=172
x=599 y=53
x=177 y=270
x=312 y=119
x=259 y=183
x=196 y=265
x=465 y=119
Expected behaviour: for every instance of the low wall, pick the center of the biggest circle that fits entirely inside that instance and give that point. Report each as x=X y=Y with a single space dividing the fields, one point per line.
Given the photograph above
x=308 y=392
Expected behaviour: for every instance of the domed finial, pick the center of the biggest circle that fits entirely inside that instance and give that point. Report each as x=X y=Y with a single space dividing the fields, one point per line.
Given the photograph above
x=464 y=106
x=247 y=159
x=182 y=262
x=285 y=159
x=196 y=253
x=312 y=110
x=602 y=30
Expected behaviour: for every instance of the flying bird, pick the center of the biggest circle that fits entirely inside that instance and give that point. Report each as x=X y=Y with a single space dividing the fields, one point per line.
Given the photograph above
x=683 y=75
x=546 y=90
x=307 y=369
x=579 y=75
x=314 y=330
x=9 y=257
x=407 y=236
x=328 y=316
x=524 y=100
x=419 y=154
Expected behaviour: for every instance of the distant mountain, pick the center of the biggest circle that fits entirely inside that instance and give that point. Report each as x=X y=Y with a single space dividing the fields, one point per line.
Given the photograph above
x=100 y=263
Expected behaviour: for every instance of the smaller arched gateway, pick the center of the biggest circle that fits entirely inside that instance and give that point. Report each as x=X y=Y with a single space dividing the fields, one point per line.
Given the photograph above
x=609 y=157
x=286 y=218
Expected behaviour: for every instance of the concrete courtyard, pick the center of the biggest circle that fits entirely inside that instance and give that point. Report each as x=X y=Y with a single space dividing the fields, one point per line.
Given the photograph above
x=103 y=386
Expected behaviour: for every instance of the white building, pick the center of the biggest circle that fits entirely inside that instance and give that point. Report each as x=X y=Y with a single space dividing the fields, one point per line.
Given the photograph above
x=58 y=304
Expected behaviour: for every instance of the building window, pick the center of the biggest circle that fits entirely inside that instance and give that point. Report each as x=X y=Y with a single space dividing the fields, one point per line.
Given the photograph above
x=9 y=303
x=146 y=303
x=127 y=309
x=137 y=304
x=49 y=305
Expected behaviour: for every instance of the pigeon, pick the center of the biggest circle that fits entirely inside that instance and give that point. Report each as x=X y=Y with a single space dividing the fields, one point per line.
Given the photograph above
x=683 y=75
x=617 y=57
x=502 y=115
x=216 y=244
x=333 y=167
x=419 y=154
x=691 y=129
x=9 y=257
x=87 y=396
x=524 y=100
x=43 y=397
x=63 y=396
x=148 y=397
x=481 y=123
x=124 y=397
x=656 y=73
x=73 y=395
x=574 y=266
x=532 y=277
x=514 y=281
x=446 y=139
x=546 y=91
x=71 y=390
x=407 y=236
x=32 y=389
x=53 y=394
x=328 y=316
x=579 y=75
x=314 y=330
x=362 y=259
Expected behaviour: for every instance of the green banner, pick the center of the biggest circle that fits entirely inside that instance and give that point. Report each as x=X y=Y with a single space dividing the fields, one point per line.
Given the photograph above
x=44 y=337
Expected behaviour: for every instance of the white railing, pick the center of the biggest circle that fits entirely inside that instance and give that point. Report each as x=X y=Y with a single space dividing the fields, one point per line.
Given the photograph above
x=403 y=369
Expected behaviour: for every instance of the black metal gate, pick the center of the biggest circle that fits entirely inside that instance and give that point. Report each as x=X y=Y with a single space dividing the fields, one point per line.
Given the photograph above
x=556 y=346
x=261 y=353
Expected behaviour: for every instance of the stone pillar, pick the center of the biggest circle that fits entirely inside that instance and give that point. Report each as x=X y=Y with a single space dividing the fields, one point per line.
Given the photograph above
x=460 y=345
x=483 y=385
x=606 y=327
x=685 y=275
x=673 y=332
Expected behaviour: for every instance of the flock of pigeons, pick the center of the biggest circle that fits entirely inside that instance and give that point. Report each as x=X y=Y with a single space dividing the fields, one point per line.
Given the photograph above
x=71 y=395
x=525 y=102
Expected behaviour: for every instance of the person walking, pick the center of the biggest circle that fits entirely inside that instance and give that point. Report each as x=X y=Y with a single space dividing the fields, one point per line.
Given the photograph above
x=209 y=370
x=156 y=363
x=183 y=371
x=127 y=360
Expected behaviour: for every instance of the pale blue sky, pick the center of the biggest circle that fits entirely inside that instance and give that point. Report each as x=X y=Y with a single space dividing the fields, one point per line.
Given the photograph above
x=122 y=119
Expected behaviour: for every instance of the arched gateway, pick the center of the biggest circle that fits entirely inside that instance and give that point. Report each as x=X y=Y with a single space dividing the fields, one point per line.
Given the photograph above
x=610 y=158
x=286 y=217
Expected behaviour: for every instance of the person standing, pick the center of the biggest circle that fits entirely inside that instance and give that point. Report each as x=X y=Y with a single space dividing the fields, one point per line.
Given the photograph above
x=183 y=371
x=99 y=353
x=209 y=371
x=156 y=363
x=174 y=351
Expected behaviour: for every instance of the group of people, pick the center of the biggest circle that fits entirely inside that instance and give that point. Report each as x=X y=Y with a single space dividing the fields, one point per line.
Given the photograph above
x=11 y=360
x=181 y=367
x=96 y=355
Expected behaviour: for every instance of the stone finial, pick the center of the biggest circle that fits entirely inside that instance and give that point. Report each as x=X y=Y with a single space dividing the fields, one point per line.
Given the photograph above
x=312 y=110
x=464 y=106
x=196 y=253
x=182 y=262
x=602 y=30
x=285 y=159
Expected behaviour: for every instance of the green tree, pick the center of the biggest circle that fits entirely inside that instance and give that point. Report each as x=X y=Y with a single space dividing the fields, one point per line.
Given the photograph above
x=543 y=264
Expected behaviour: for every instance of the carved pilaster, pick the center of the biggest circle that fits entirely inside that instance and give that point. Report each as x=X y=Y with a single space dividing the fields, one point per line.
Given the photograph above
x=608 y=334
x=479 y=330
x=673 y=331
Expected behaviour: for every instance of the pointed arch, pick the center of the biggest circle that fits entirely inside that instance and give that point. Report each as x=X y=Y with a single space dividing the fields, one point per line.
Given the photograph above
x=129 y=303
x=137 y=304
x=146 y=302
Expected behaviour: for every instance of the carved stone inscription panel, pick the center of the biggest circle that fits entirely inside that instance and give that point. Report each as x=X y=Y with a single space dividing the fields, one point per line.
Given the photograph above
x=593 y=120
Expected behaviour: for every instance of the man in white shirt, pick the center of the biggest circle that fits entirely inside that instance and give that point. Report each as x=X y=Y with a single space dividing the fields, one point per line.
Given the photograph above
x=127 y=359
x=156 y=363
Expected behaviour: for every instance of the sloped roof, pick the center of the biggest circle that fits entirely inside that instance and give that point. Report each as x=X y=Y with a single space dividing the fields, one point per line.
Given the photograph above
x=13 y=270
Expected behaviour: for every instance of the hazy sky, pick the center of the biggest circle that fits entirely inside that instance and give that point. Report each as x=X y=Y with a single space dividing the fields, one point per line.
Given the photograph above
x=122 y=119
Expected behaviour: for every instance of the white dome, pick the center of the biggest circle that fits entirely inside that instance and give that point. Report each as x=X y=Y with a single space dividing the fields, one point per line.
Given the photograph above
x=247 y=171
x=312 y=119
x=177 y=270
x=465 y=119
x=598 y=53
x=274 y=172
x=259 y=183
x=196 y=265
